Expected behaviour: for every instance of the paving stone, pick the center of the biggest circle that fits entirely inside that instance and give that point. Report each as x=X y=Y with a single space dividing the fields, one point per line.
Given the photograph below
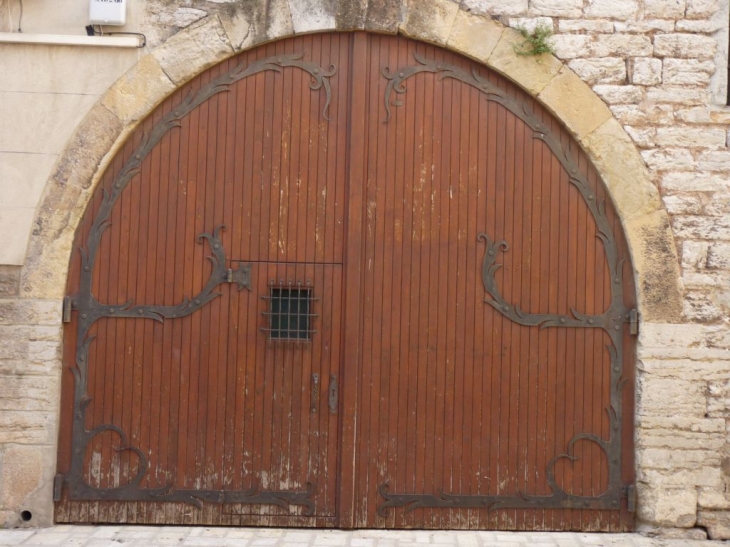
x=14 y=537
x=201 y=541
x=48 y=538
x=167 y=538
x=298 y=535
x=102 y=542
x=445 y=537
x=241 y=533
x=269 y=532
x=265 y=541
x=78 y=541
x=206 y=533
x=106 y=531
x=160 y=536
x=142 y=534
x=330 y=539
x=515 y=538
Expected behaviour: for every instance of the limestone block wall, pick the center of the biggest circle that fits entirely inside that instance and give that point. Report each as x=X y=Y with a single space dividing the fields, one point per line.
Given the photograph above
x=640 y=83
x=29 y=379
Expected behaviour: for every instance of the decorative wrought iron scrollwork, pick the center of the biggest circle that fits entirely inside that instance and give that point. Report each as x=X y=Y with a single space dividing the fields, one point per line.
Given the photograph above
x=611 y=320
x=91 y=310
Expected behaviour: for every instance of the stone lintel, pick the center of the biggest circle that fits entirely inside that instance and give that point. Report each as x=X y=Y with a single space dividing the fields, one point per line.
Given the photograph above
x=532 y=72
x=474 y=36
x=193 y=49
x=384 y=16
x=574 y=103
x=136 y=93
x=429 y=20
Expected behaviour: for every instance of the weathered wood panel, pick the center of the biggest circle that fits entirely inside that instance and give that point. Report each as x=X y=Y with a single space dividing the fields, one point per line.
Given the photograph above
x=386 y=191
x=454 y=397
x=207 y=398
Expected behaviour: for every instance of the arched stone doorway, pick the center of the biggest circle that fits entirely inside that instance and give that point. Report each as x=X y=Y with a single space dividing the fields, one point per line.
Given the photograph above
x=390 y=363
x=189 y=52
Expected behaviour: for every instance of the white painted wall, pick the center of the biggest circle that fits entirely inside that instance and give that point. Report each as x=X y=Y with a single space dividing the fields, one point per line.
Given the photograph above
x=45 y=91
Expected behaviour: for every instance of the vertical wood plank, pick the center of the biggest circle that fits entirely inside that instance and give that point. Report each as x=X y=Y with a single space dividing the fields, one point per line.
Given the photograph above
x=356 y=154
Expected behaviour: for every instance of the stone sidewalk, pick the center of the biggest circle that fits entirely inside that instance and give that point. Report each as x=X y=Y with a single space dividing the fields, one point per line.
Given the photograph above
x=163 y=536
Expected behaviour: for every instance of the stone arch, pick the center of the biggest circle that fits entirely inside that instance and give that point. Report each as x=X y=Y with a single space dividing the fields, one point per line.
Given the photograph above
x=440 y=22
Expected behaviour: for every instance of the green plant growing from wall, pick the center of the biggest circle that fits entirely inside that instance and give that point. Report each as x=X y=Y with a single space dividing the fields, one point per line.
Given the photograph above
x=536 y=41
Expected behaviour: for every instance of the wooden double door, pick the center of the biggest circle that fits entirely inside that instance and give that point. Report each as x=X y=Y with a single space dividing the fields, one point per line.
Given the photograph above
x=349 y=280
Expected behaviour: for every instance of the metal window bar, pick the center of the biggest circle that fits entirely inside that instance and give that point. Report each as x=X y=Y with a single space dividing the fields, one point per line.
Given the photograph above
x=290 y=313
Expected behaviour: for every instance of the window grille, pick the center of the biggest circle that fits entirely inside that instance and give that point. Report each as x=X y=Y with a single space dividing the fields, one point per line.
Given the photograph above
x=290 y=314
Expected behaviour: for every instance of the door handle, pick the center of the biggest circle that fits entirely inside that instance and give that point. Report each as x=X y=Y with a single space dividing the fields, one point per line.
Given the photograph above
x=314 y=403
x=333 y=394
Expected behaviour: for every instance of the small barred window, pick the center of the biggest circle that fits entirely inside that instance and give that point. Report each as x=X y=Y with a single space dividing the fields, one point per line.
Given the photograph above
x=290 y=314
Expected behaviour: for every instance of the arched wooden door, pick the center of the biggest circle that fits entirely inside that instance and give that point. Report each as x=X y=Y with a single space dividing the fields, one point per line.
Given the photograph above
x=349 y=280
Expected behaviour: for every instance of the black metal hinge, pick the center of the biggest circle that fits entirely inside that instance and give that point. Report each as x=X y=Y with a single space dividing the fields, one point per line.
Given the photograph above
x=631 y=498
x=633 y=320
x=67 y=306
x=241 y=276
x=57 y=486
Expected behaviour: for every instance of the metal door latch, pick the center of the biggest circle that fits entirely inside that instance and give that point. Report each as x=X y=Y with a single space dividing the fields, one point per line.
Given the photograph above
x=315 y=392
x=333 y=394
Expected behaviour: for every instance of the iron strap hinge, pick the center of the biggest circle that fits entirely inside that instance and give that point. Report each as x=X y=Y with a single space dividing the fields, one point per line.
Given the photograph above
x=67 y=307
x=633 y=320
x=631 y=498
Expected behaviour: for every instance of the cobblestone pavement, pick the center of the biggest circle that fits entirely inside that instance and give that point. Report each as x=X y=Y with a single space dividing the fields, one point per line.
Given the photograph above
x=163 y=536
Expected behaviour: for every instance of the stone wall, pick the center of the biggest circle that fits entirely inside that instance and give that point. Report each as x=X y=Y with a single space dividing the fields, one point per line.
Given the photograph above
x=658 y=68
x=29 y=395
x=683 y=454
